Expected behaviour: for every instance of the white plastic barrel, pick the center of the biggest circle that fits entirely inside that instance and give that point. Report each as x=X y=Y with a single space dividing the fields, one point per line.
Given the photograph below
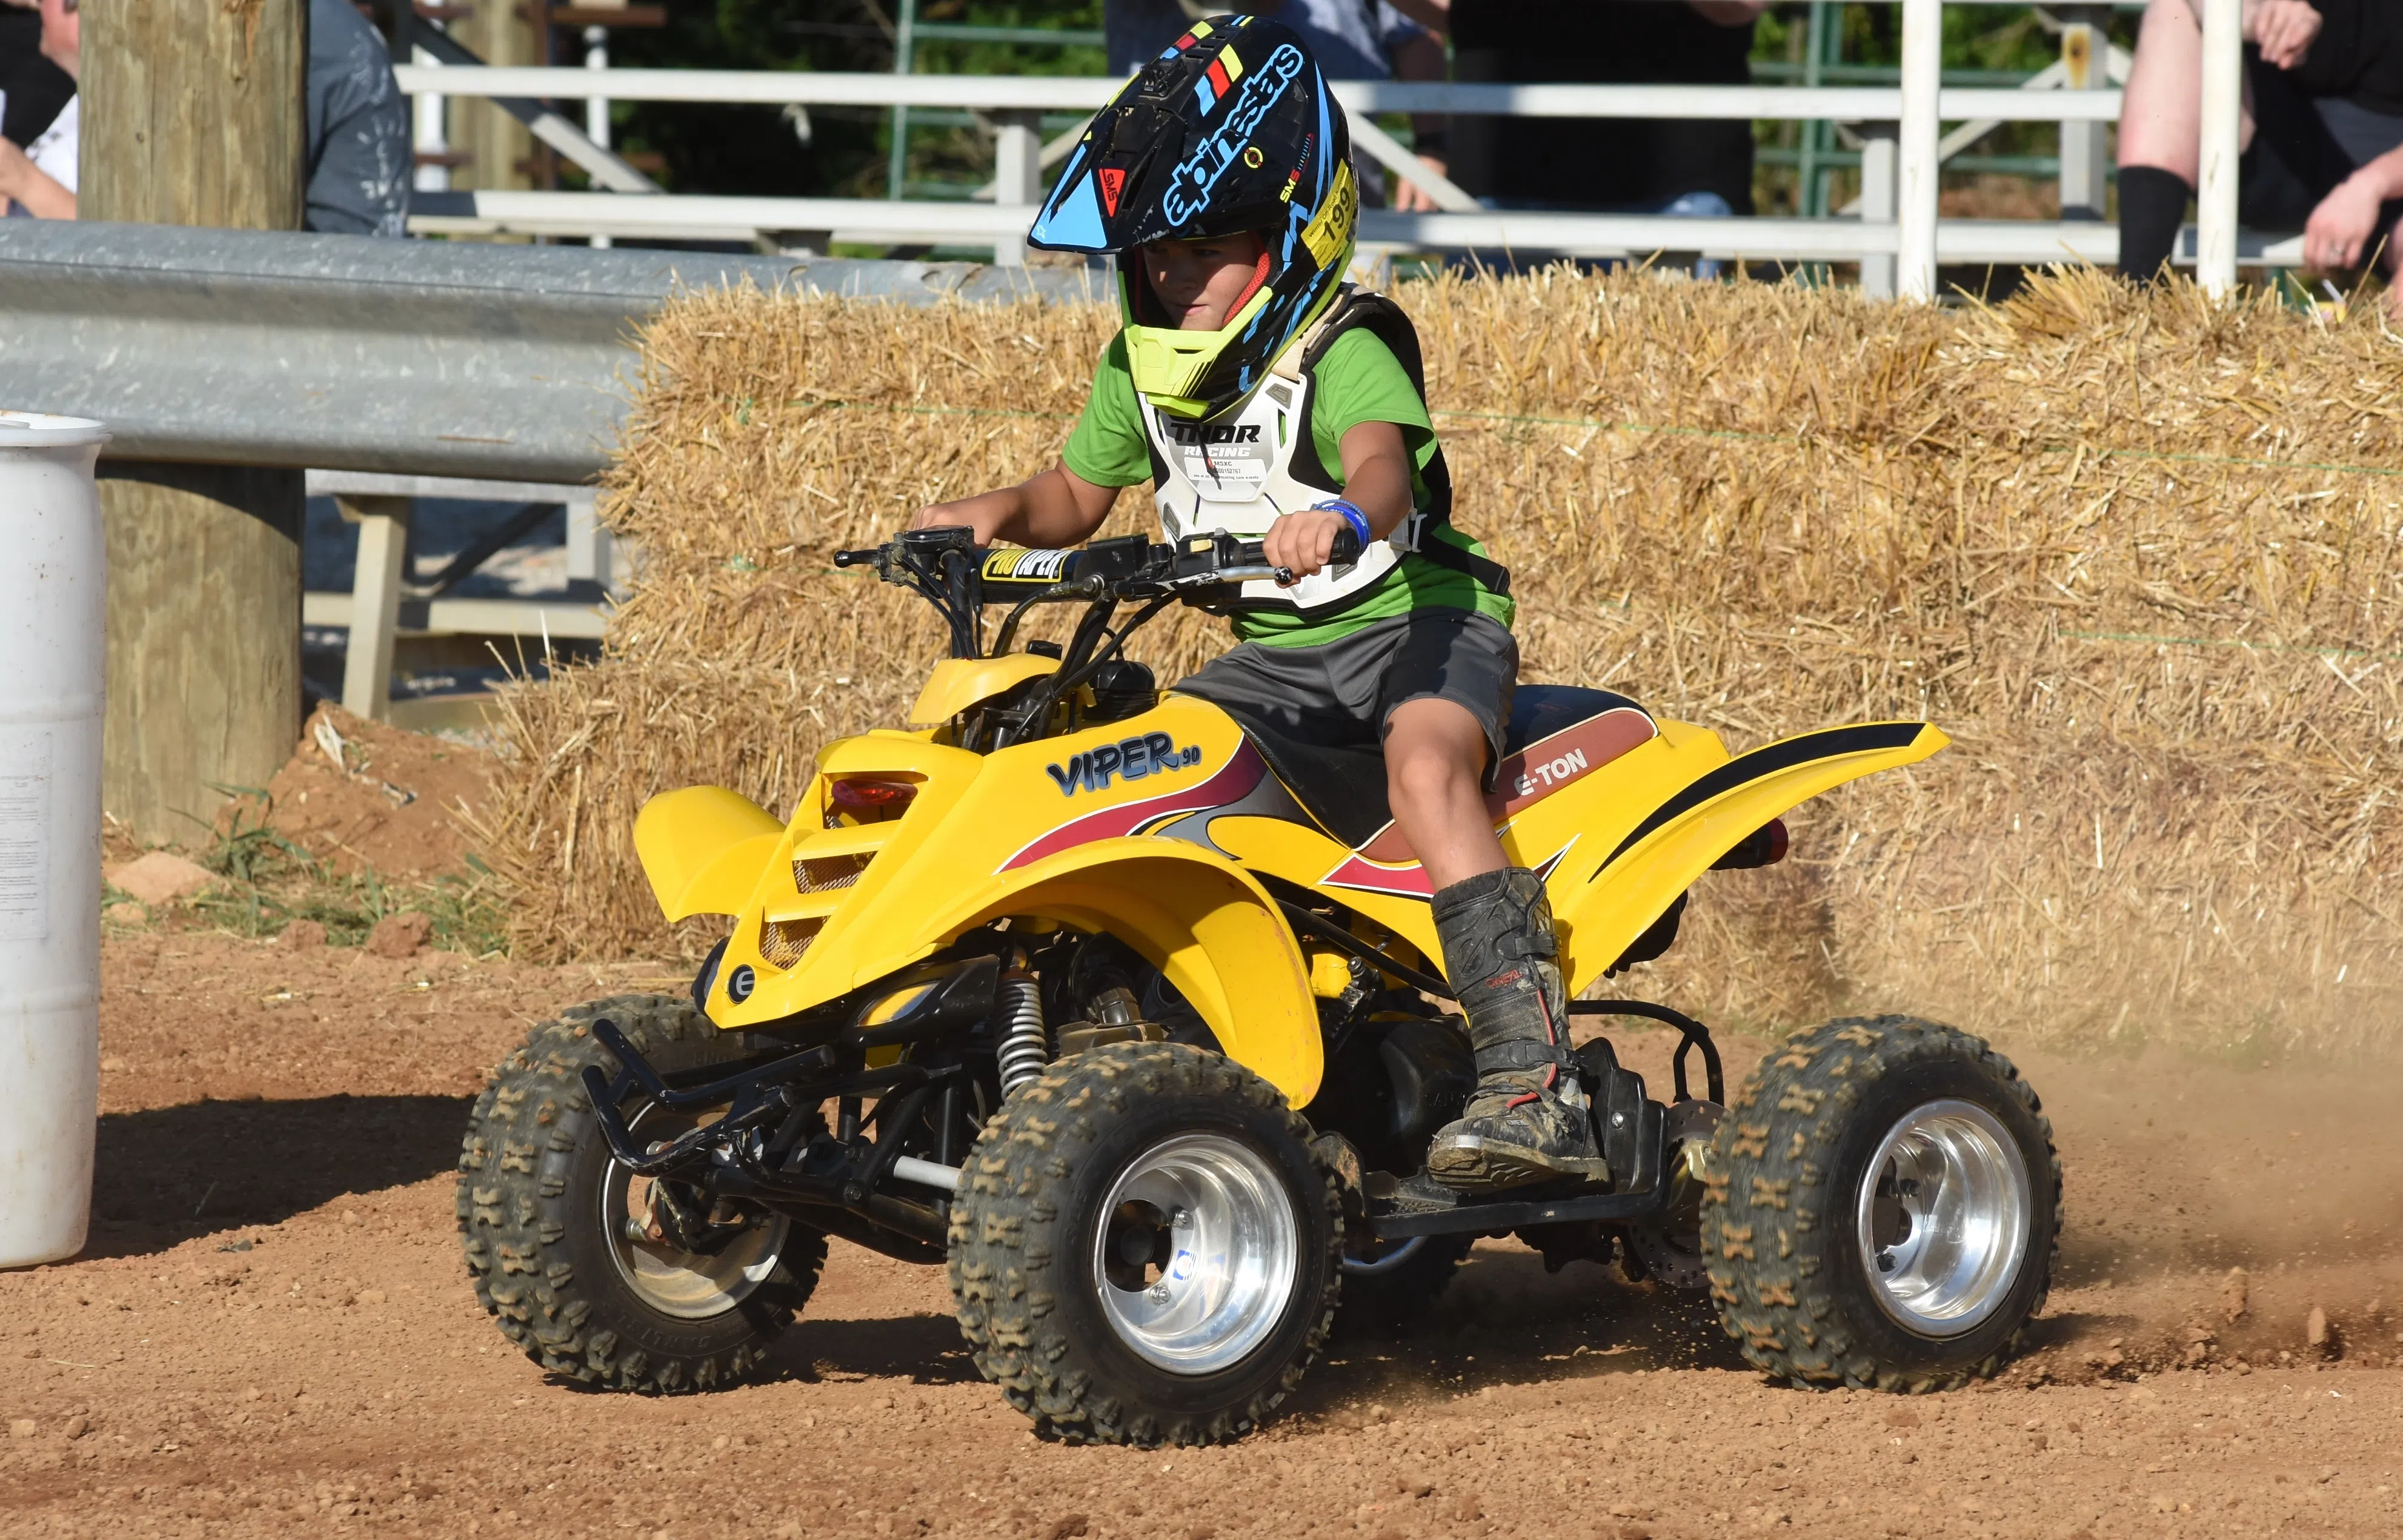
x=51 y=577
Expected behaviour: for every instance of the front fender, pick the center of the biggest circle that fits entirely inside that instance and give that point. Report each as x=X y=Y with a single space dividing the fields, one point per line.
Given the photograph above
x=1197 y=918
x=1666 y=852
x=702 y=849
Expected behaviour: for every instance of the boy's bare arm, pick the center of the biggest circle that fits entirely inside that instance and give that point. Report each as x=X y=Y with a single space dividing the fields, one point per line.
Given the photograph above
x=1376 y=480
x=1051 y=511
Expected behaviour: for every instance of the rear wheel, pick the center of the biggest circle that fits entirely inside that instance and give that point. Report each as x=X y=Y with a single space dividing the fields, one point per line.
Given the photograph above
x=1144 y=1249
x=1889 y=1211
x=568 y=1248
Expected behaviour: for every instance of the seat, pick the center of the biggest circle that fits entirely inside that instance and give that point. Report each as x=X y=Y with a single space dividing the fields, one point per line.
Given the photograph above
x=1343 y=786
x=1539 y=711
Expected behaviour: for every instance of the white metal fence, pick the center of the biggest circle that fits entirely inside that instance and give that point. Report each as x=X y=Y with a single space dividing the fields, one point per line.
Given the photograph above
x=1896 y=234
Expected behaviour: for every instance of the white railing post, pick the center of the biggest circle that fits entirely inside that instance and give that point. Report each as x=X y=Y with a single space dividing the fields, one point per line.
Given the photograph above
x=596 y=108
x=433 y=135
x=1918 y=169
x=1877 y=206
x=1017 y=174
x=591 y=549
x=2223 y=98
x=2085 y=146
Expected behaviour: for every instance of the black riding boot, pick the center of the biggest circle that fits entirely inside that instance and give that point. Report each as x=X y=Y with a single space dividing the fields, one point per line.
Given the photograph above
x=1528 y=1119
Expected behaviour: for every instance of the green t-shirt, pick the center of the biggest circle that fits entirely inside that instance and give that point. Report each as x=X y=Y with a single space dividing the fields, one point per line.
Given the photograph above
x=1359 y=381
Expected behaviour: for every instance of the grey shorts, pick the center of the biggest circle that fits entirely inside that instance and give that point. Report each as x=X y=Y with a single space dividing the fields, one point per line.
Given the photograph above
x=1338 y=694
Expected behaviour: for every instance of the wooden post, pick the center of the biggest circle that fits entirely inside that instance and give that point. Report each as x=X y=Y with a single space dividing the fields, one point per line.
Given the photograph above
x=193 y=115
x=375 y=602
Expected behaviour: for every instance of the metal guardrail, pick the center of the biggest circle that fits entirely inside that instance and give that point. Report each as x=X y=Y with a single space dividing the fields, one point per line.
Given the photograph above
x=346 y=352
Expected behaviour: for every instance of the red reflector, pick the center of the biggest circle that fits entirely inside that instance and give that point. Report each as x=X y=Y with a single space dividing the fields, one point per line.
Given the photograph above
x=872 y=794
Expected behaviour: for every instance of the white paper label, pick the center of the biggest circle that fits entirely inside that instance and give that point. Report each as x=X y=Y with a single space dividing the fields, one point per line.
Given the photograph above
x=25 y=836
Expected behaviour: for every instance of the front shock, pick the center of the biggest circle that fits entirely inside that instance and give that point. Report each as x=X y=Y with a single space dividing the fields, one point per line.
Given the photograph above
x=1025 y=1044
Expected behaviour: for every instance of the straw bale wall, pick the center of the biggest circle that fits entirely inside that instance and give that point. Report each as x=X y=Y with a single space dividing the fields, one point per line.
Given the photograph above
x=2138 y=554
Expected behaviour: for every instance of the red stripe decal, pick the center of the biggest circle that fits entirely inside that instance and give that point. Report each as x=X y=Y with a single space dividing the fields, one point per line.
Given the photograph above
x=1406 y=882
x=1218 y=72
x=1232 y=782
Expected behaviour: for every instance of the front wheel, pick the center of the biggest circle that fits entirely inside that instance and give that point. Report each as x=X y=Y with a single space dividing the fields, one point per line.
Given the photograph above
x=1887 y=1208
x=1144 y=1249
x=566 y=1246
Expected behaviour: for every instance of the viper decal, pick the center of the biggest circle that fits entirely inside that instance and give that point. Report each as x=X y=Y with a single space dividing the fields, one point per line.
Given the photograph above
x=1231 y=784
x=1133 y=758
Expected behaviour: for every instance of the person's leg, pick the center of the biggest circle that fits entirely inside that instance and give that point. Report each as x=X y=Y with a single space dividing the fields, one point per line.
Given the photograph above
x=1447 y=689
x=2160 y=116
x=2161 y=136
x=1435 y=754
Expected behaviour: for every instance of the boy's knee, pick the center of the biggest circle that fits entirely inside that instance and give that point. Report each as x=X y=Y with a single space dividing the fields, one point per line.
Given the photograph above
x=1426 y=774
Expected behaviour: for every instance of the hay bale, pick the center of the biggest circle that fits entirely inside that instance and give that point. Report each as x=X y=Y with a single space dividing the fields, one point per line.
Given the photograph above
x=2137 y=552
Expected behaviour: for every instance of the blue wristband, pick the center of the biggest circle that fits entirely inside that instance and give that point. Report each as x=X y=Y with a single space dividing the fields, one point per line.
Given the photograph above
x=1353 y=517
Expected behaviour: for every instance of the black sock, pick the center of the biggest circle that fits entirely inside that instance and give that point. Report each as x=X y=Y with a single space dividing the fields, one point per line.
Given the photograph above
x=2152 y=206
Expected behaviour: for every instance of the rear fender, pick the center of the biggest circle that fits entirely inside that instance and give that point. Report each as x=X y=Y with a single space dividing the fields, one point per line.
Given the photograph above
x=1197 y=918
x=1603 y=911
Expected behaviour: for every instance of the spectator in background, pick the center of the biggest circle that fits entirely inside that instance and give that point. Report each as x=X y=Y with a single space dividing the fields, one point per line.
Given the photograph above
x=2320 y=135
x=1697 y=168
x=37 y=124
x=1350 y=39
x=361 y=157
x=359 y=154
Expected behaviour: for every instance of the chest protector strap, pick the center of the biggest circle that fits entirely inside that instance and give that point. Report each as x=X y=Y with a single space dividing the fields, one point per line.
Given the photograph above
x=1241 y=470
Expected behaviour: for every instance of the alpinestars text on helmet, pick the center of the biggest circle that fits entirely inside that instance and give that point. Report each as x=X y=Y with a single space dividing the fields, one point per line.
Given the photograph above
x=1189 y=191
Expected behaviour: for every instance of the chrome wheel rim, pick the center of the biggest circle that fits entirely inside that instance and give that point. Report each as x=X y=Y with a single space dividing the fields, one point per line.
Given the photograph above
x=687 y=1285
x=1196 y=1252
x=1943 y=1215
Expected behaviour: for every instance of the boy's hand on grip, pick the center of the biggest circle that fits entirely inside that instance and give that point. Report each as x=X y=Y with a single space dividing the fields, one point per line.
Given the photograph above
x=1302 y=543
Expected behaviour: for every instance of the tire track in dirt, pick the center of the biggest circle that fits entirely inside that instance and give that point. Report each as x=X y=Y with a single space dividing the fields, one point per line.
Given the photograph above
x=337 y=1374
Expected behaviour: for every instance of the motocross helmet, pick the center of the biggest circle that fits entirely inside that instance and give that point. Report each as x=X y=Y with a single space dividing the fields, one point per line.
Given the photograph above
x=1231 y=129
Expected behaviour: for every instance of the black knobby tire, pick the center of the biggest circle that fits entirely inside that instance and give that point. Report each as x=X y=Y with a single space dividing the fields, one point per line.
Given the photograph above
x=1780 y=1220
x=1030 y=1215
x=531 y=1178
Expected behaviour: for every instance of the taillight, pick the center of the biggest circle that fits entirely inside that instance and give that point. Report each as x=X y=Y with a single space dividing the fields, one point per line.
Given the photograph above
x=868 y=801
x=1763 y=847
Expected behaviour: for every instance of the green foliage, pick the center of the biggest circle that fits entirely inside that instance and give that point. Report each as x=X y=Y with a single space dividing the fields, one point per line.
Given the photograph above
x=762 y=151
x=268 y=882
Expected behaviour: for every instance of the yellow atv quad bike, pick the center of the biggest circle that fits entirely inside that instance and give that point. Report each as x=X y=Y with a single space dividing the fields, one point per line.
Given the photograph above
x=1126 y=1011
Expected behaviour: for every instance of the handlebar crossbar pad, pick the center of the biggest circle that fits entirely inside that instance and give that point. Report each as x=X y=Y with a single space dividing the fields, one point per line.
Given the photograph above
x=1012 y=573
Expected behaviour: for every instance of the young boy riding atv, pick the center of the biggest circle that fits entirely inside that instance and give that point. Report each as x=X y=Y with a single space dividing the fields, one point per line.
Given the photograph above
x=1259 y=396
x=1124 y=1006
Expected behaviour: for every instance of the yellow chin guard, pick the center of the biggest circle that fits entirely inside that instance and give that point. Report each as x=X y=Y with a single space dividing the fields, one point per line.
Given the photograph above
x=1167 y=363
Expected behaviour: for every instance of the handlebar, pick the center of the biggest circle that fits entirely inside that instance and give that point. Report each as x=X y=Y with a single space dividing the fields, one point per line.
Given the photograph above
x=950 y=571
x=1127 y=567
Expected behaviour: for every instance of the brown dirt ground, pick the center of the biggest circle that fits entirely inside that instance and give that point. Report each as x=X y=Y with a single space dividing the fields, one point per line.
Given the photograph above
x=338 y=1374
x=394 y=808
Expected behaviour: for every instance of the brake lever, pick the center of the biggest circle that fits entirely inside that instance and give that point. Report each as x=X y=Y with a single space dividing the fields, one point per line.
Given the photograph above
x=1282 y=577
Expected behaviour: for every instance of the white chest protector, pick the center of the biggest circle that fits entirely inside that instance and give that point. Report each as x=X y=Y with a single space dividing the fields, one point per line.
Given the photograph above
x=1235 y=474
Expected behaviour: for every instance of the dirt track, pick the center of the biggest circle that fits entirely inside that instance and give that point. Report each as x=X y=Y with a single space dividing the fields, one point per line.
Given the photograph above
x=305 y=1355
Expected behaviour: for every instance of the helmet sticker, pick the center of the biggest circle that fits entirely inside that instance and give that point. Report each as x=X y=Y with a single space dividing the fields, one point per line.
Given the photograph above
x=1113 y=182
x=1189 y=191
x=1219 y=79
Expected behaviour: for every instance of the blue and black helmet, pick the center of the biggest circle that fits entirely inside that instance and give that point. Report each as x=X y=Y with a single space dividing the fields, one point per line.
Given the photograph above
x=1231 y=129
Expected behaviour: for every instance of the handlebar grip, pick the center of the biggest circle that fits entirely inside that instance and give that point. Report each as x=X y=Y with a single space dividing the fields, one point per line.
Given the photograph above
x=1347 y=548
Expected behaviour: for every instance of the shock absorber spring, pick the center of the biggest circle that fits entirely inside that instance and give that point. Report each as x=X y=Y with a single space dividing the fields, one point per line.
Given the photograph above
x=1025 y=1044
